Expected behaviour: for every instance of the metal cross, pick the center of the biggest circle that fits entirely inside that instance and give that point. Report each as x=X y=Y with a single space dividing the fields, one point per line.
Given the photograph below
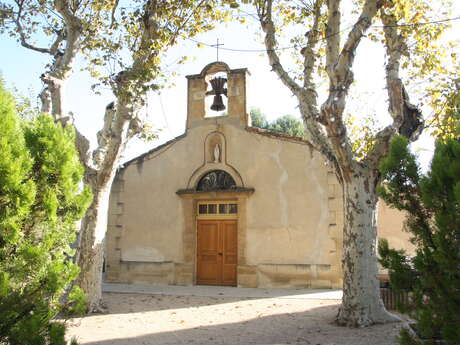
x=217 y=45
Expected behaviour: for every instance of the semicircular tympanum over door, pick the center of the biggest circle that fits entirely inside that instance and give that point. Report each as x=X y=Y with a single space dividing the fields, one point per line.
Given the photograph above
x=217 y=246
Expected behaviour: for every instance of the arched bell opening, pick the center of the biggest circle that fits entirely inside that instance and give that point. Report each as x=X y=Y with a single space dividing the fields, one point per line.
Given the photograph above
x=222 y=100
x=216 y=101
x=216 y=180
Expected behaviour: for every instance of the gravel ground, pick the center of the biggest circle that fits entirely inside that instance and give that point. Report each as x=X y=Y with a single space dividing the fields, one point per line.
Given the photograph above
x=136 y=319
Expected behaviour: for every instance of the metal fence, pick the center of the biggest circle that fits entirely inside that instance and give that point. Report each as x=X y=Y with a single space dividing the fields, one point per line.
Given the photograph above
x=394 y=299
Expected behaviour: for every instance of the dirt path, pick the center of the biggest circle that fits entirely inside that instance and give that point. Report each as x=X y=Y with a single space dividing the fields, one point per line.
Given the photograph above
x=135 y=319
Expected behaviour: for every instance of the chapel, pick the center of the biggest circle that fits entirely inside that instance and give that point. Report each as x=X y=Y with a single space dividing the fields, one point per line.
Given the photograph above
x=229 y=204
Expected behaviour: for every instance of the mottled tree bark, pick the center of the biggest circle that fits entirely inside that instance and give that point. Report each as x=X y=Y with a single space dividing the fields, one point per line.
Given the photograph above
x=90 y=254
x=361 y=303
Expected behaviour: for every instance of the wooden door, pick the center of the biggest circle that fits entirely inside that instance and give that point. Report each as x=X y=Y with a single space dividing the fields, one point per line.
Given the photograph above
x=217 y=252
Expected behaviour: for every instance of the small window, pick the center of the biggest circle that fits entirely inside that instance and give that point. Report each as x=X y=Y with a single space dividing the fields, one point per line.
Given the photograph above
x=212 y=208
x=223 y=208
x=217 y=209
x=232 y=208
x=203 y=209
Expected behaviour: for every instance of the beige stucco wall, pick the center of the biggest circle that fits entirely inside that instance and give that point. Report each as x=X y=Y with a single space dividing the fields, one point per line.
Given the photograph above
x=289 y=226
x=288 y=232
x=292 y=221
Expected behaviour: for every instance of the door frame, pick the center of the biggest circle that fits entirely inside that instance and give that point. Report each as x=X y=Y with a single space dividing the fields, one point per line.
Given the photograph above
x=190 y=201
x=217 y=216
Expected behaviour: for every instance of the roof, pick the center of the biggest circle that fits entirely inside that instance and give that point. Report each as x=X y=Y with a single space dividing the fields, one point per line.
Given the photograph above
x=157 y=148
x=278 y=135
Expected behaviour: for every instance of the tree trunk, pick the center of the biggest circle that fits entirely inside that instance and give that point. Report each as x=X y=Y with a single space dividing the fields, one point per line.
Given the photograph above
x=111 y=143
x=90 y=254
x=361 y=302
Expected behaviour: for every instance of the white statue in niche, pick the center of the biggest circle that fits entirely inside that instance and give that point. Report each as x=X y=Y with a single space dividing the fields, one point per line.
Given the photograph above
x=216 y=153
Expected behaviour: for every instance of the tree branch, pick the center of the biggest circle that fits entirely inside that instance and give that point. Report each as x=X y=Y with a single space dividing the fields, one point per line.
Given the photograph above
x=407 y=118
x=306 y=95
x=45 y=98
x=344 y=75
x=117 y=133
x=59 y=38
x=104 y=135
x=186 y=20
x=265 y=17
x=112 y=16
x=308 y=51
x=22 y=35
x=119 y=116
x=380 y=148
x=73 y=34
x=339 y=68
x=83 y=146
x=333 y=37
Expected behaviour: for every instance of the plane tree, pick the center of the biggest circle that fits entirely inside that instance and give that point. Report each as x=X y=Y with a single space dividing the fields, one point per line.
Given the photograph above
x=325 y=49
x=132 y=39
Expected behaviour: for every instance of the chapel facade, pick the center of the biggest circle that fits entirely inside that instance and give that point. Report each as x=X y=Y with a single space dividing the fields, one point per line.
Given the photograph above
x=229 y=204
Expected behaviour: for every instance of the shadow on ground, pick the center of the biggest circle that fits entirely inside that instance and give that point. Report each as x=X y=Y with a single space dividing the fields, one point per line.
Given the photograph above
x=313 y=326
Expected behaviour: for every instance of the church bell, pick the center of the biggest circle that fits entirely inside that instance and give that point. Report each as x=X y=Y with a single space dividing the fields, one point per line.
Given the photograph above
x=218 y=103
x=218 y=89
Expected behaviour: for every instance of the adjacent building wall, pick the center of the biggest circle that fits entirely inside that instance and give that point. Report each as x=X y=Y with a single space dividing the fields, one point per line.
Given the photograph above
x=390 y=227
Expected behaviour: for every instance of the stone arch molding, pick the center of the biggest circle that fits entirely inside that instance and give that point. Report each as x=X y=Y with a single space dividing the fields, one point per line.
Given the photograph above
x=215 y=67
x=216 y=180
x=214 y=158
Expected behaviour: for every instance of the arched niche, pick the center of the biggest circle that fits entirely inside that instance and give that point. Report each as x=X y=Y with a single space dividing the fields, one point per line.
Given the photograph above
x=215 y=158
x=215 y=148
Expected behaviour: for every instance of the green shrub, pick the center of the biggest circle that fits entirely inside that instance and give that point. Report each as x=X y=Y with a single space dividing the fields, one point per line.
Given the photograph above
x=41 y=199
x=432 y=205
x=76 y=302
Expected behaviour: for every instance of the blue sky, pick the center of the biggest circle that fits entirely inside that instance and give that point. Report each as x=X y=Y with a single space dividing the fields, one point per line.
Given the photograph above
x=21 y=67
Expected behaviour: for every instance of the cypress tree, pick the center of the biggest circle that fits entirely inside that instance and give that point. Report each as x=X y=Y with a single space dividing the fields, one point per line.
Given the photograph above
x=432 y=206
x=41 y=199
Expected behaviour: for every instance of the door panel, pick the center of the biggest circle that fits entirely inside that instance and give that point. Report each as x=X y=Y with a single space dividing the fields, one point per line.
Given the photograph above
x=217 y=252
x=230 y=254
x=209 y=260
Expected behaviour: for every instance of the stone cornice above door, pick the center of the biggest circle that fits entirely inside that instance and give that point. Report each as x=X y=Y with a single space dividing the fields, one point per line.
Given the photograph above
x=229 y=193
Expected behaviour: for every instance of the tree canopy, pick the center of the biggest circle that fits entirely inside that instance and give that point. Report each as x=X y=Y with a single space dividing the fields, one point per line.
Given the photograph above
x=286 y=124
